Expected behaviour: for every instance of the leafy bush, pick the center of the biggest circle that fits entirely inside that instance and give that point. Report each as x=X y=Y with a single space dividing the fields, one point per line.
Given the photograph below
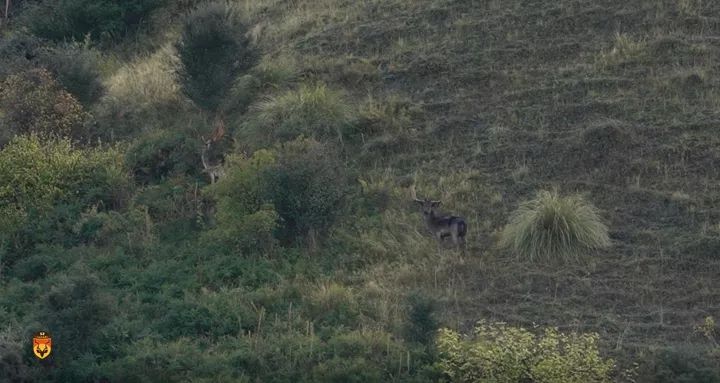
x=421 y=323
x=76 y=68
x=41 y=181
x=683 y=365
x=332 y=305
x=33 y=102
x=213 y=51
x=554 y=226
x=308 y=187
x=245 y=218
x=312 y=110
x=500 y=353
x=162 y=153
x=103 y=20
x=12 y=366
x=17 y=52
x=300 y=182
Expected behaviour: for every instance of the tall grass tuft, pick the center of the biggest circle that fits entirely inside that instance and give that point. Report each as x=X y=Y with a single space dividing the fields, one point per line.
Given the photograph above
x=550 y=226
x=311 y=110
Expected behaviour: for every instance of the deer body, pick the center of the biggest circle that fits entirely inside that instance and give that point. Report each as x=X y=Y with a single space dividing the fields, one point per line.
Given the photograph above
x=443 y=226
x=214 y=171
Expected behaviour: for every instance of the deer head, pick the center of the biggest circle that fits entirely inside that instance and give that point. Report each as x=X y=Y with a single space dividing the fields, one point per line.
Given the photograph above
x=428 y=205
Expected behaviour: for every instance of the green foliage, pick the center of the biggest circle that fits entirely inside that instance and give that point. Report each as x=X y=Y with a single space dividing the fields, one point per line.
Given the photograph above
x=311 y=110
x=76 y=68
x=162 y=153
x=76 y=308
x=103 y=20
x=33 y=102
x=308 y=187
x=500 y=353
x=683 y=365
x=17 y=52
x=293 y=190
x=332 y=305
x=552 y=226
x=50 y=181
x=213 y=50
x=421 y=323
x=12 y=366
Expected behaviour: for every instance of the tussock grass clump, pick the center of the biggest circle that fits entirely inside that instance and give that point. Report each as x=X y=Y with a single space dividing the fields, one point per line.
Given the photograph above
x=311 y=110
x=148 y=81
x=625 y=50
x=551 y=226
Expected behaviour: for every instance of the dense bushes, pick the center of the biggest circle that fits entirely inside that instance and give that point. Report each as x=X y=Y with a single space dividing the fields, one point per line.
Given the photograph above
x=500 y=353
x=554 y=226
x=293 y=190
x=103 y=20
x=161 y=153
x=76 y=68
x=33 y=102
x=43 y=181
x=213 y=50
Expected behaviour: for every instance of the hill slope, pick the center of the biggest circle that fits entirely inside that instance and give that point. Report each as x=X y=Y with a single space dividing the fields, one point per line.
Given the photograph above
x=478 y=103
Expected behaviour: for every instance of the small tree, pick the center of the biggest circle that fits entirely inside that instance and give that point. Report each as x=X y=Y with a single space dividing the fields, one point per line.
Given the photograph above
x=213 y=50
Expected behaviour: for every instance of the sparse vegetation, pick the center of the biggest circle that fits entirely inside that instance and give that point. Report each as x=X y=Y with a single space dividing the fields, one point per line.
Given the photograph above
x=552 y=226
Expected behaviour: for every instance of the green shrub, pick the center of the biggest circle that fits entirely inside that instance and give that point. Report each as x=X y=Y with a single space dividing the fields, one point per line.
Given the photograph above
x=45 y=184
x=162 y=153
x=311 y=110
x=500 y=353
x=12 y=366
x=421 y=323
x=213 y=51
x=332 y=305
x=33 y=102
x=103 y=20
x=682 y=365
x=76 y=68
x=308 y=187
x=301 y=185
x=554 y=226
x=17 y=52
x=76 y=308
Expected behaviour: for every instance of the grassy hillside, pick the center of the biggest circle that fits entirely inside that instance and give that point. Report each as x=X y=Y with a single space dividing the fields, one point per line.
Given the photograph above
x=308 y=261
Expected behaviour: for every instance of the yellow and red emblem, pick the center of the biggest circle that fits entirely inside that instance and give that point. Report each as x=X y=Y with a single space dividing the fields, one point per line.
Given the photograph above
x=42 y=344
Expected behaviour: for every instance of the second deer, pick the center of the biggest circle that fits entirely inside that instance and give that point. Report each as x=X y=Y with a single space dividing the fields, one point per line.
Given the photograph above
x=215 y=171
x=442 y=226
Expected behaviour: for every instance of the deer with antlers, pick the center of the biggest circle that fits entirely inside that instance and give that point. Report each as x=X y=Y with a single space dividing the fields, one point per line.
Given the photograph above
x=439 y=225
x=215 y=171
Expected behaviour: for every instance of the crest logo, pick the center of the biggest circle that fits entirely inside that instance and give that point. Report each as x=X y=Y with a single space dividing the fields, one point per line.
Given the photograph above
x=42 y=344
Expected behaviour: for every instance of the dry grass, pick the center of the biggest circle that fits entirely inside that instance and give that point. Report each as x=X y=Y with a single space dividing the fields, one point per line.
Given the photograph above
x=149 y=80
x=551 y=226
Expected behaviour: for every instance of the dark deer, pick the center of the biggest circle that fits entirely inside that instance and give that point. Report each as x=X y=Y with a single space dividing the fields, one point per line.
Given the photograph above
x=442 y=226
x=215 y=171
